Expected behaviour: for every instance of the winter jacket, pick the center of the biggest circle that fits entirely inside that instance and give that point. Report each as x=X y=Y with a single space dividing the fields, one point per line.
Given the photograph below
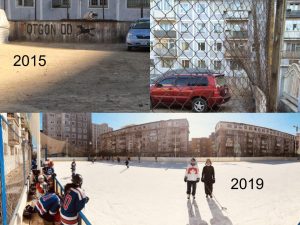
x=74 y=201
x=208 y=174
x=49 y=203
x=192 y=173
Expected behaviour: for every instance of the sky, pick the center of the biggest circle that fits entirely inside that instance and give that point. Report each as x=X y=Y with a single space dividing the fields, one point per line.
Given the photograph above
x=202 y=125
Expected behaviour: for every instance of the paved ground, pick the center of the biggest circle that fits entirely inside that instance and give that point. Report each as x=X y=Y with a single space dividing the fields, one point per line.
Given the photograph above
x=77 y=77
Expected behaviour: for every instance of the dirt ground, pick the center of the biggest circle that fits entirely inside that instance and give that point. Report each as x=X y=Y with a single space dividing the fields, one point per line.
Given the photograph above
x=77 y=78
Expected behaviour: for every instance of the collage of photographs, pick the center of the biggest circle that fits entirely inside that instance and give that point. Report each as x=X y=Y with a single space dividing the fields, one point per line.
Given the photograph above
x=149 y=112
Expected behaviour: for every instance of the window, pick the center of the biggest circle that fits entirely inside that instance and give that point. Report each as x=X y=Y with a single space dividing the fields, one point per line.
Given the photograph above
x=200 y=8
x=25 y=3
x=217 y=65
x=184 y=27
x=61 y=3
x=184 y=8
x=98 y=3
x=202 y=64
x=234 y=65
x=218 y=28
x=185 y=63
x=168 y=81
x=182 y=81
x=185 y=46
x=167 y=63
x=217 y=47
x=164 y=5
x=138 y=3
x=198 y=81
x=201 y=28
x=201 y=46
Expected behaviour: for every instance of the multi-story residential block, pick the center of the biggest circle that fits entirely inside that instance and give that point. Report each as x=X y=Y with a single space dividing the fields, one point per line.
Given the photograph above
x=239 y=139
x=290 y=78
x=121 y=10
x=201 y=147
x=97 y=130
x=161 y=138
x=193 y=33
x=75 y=128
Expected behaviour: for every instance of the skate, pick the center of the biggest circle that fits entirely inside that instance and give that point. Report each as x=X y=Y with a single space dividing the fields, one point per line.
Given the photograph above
x=210 y=196
x=188 y=196
x=206 y=196
x=194 y=197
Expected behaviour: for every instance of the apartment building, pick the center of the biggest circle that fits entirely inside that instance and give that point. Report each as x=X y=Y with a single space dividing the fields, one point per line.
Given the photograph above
x=75 y=128
x=14 y=135
x=161 y=138
x=97 y=130
x=201 y=147
x=290 y=78
x=121 y=10
x=192 y=34
x=245 y=140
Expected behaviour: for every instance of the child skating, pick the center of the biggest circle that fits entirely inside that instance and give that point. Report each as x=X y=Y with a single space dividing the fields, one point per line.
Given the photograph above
x=192 y=178
x=208 y=178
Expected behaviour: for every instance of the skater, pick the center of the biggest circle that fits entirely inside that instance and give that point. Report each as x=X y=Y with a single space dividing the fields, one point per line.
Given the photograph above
x=48 y=208
x=127 y=163
x=118 y=159
x=192 y=178
x=208 y=178
x=41 y=186
x=49 y=169
x=73 y=167
x=73 y=201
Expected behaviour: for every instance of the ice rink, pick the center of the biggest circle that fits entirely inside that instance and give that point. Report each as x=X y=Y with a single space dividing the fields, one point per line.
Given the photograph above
x=150 y=193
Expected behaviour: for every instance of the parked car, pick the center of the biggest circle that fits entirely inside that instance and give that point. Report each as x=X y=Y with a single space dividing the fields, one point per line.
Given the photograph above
x=139 y=34
x=199 y=89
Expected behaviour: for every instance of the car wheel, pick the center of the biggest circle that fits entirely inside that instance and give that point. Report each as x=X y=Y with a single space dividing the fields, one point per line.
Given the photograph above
x=129 y=48
x=199 y=105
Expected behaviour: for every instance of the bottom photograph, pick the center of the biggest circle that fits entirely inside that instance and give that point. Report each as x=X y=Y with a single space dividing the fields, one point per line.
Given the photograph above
x=149 y=169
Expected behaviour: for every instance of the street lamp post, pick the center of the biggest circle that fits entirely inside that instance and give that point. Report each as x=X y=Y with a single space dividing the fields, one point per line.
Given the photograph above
x=175 y=143
x=90 y=146
x=295 y=142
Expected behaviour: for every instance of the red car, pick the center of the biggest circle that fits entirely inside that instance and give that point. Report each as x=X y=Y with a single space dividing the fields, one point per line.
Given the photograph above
x=201 y=91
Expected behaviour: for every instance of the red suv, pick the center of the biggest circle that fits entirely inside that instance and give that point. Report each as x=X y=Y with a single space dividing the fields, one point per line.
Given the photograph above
x=198 y=90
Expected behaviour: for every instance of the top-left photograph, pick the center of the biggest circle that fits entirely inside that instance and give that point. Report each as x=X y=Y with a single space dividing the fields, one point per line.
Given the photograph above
x=79 y=55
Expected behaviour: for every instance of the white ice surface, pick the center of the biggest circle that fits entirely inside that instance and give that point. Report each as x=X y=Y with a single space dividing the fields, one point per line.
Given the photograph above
x=154 y=194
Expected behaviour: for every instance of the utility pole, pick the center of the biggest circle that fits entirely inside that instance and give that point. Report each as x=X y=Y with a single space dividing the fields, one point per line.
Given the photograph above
x=295 y=142
x=103 y=6
x=175 y=142
x=68 y=6
x=276 y=27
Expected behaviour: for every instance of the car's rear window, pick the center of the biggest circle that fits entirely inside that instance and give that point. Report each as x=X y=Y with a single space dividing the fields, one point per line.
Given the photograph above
x=141 y=25
x=199 y=81
x=167 y=81
x=221 y=81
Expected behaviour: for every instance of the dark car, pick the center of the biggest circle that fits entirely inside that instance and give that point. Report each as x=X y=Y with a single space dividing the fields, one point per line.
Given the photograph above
x=198 y=89
x=139 y=34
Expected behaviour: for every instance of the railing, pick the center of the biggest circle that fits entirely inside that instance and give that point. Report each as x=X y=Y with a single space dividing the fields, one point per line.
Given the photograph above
x=293 y=13
x=291 y=55
x=60 y=190
x=291 y=84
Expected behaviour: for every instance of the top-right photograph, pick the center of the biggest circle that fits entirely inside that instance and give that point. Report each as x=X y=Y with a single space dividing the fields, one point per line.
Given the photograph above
x=225 y=55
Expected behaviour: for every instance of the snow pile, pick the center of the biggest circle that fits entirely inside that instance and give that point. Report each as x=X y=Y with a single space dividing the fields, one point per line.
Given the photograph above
x=150 y=193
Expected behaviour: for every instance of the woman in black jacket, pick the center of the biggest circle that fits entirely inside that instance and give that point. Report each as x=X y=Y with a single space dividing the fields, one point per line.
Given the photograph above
x=208 y=178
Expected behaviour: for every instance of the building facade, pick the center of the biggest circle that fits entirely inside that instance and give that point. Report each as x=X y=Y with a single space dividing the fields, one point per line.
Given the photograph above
x=120 y=10
x=201 y=147
x=192 y=33
x=244 y=140
x=97 y=130
x=75 y=128
x=161 y=138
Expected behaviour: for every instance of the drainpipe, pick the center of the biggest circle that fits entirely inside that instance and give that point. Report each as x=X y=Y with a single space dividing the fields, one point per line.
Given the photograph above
x=34 y=9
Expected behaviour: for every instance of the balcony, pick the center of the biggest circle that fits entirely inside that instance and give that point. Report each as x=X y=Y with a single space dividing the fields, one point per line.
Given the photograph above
x=163 y=15
x=164 y=52
x=237 y=35
x=292 y=35
x=236 y=53
x=290 y=55
x=292 y=13
x=13 y=132
x=164 y=33
x=237 y=15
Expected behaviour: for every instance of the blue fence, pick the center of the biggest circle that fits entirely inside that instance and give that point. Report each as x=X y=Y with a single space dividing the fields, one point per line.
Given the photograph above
x=60 y=190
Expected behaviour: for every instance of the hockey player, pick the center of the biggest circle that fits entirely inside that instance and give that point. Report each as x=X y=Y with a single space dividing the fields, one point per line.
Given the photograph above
x=73 y=202
x=192 y=178
x=127 y=163
x=73 y=167
x=49 y=169
x=41 y=186
x=208 y=178
x=48 y=208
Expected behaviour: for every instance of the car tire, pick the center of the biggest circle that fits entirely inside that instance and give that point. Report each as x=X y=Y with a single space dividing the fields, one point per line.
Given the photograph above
x=199 y=105
x=129 y=48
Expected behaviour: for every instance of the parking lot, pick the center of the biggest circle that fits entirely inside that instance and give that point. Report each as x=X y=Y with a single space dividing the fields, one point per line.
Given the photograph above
x=77 y=77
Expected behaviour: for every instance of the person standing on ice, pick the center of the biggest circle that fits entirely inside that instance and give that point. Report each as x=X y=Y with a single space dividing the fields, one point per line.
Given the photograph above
x=127 y=163
x=192 y=178
x=208 y=178
x=73 y=202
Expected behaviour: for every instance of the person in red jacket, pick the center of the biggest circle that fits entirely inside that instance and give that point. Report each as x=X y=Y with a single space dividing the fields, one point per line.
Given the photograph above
x=192 y=178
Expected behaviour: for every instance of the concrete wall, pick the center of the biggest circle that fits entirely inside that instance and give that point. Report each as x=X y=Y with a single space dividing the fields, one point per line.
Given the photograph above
x=68 y=31
x=116 y=10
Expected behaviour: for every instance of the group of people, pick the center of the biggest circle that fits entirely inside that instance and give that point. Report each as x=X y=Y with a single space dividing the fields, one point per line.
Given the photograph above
x=192 y=177
x=54 y=208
